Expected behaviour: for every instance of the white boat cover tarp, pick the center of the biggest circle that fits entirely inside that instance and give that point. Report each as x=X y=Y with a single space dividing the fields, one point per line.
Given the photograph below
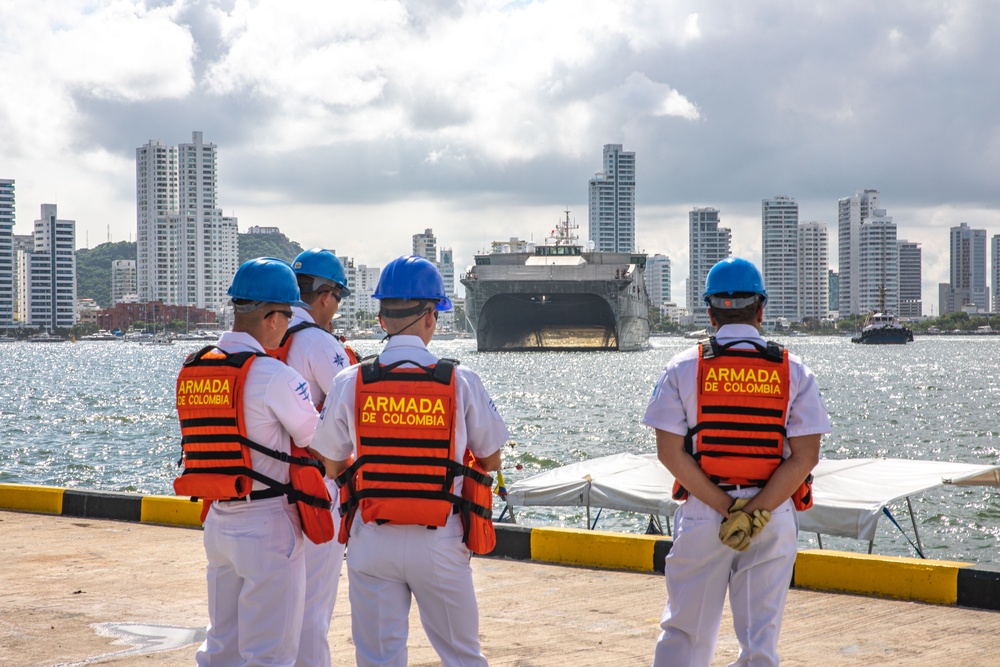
x=848 y=494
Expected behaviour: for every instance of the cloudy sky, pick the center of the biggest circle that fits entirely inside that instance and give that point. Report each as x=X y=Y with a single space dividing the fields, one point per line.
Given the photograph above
x=354 y=124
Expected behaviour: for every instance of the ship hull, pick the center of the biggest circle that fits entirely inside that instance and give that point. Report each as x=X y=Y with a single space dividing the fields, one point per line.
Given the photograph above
x=551 y=314
x=894 y=336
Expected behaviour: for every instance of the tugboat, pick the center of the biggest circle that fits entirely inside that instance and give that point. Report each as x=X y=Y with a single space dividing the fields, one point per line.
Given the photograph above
x=883 y=329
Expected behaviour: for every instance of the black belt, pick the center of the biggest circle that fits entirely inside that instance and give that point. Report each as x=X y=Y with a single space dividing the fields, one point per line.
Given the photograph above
x=262 y=494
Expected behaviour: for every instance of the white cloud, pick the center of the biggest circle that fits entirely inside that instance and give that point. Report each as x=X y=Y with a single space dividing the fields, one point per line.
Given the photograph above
x=406 y=114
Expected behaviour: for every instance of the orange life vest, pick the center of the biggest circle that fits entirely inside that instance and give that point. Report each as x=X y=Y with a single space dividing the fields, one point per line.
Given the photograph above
x=743 y=397
x=215 y=449
x=405 y=468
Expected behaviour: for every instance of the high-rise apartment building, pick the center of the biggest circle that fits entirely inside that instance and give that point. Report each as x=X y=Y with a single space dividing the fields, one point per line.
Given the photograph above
x=362 y=280
x=658 y=280
x=814 y=272
x=968 y=270
x=425 y=245
x=709 y=244
x=911 y=302
x=780 y=254
x=834 y=282
x=7 y=281
x=123 y=279
x=995 y=269
x=851 y=214
x=22 y=243
x=877 y=273
x=612 y=202
x=47 y=293
x=187 y=251
x=447 y=267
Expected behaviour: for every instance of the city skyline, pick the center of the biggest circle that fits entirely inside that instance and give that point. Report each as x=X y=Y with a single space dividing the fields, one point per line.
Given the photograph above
x=484 y=120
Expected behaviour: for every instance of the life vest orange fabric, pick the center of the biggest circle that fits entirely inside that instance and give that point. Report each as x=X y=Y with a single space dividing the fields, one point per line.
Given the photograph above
x=215 y=449
x=743 y=397
x=405 y=467
x=352 y=356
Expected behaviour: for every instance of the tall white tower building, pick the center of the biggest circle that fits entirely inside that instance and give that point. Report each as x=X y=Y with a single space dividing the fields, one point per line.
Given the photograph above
x=7 y=281
x=995 y=269
x=612 y=202
x=851 y=214
x=780 y=253
x=877 y=273
x=814 y=271
x=187 y=252
x=911 y=302
x=425 y=245
x=709 y=244
x=48 y=273
x=658 y=280
x=968 y=267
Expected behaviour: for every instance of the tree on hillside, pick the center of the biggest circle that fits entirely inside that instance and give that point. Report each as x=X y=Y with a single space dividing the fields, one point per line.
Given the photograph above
x=93 y=270
x=267 y=245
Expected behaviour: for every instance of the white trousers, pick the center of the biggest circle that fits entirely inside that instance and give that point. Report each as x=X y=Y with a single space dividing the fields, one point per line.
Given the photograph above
x=256 y=584
x=323 y=565
x=386 y=565
x=700 y=568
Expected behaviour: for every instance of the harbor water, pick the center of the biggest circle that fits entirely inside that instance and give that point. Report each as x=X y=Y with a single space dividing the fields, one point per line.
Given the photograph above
x=100 y=415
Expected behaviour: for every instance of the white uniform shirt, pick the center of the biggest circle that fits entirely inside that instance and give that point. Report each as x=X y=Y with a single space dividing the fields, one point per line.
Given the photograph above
x=276 y=405
x=316 y=354
x=673 y=407
x=478 y=425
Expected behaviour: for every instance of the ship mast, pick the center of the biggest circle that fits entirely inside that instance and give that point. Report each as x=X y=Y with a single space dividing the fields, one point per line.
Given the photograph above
x=565 y=232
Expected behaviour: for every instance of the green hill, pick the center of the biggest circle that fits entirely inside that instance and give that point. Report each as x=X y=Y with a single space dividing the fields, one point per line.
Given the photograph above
x=268 y=245
x=93 y=270
x=93 y=265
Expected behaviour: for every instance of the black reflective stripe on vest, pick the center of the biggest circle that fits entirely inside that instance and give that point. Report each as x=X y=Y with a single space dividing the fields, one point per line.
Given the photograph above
x=754 y=412
x=740 y=442
x=404 y=442
x=201 y=422
x=400 y=477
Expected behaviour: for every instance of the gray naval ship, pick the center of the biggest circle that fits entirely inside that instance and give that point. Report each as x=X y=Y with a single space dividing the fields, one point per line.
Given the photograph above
x=557 y=296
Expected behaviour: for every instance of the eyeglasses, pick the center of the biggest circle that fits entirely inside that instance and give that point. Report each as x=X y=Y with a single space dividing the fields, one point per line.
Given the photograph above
x=334 y=292
x=287 y=313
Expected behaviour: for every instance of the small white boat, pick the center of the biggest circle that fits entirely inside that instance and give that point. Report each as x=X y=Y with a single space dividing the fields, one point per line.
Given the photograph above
x=160 y=338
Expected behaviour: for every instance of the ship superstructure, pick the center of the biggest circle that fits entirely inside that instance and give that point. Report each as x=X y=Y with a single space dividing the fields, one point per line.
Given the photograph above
x=558 y=296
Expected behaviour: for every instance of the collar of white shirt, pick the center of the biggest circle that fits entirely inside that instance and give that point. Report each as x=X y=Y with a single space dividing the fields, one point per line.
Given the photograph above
x=239 y=341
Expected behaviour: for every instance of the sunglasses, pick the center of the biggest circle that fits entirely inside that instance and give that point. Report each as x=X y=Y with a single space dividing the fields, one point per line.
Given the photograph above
x=287 y=313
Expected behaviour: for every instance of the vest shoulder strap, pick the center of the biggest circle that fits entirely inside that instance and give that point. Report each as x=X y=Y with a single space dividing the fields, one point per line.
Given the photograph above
x=711 y=348
x=373 y=371
x=299 y=327
x=206 y=357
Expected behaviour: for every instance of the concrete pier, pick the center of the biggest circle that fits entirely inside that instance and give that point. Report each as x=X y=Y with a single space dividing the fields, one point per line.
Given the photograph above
x=83 y=591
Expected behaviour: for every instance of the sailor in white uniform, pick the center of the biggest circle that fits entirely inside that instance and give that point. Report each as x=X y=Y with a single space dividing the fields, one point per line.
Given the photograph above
x=256 y=571
x=389 y=564
x=318 y=355
x=700 y=567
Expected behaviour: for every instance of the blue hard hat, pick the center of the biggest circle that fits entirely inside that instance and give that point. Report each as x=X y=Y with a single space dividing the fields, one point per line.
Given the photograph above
x=266 y=280
x=412 y=277
x=325 y=266
x=731 y=276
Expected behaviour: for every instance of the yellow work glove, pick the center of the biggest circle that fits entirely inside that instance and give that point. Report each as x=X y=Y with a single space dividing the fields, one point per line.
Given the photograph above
x=735 y=531
x=758 y=520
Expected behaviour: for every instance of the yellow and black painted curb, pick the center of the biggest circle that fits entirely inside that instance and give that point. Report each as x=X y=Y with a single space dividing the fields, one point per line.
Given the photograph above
x=932 y=581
